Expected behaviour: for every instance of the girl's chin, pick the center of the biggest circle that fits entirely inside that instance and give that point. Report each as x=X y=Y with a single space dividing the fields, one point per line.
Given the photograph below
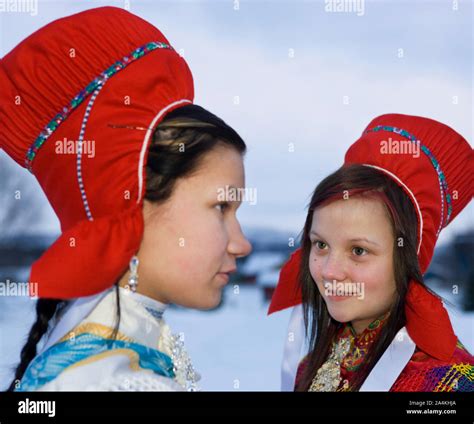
x=211 y=301
x=341 y=314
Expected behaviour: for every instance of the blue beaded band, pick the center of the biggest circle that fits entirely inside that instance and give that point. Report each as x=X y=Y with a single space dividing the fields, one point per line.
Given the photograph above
x=79 y=152
x=443 y=184
x=83 y=94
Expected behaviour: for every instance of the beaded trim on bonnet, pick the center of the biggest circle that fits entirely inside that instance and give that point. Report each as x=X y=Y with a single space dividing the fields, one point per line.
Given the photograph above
x=443 y=185
x=97 y=83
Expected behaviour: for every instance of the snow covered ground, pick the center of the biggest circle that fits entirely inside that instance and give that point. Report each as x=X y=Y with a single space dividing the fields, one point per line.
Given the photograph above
x=236 y=347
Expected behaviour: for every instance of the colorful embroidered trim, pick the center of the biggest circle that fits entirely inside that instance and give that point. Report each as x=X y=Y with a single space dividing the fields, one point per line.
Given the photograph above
x=443 y=184
x=83 y=94
x=79 y=152
x=63 y=355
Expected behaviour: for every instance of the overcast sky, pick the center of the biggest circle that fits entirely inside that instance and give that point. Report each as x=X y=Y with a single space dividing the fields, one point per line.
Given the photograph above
x=291 y=64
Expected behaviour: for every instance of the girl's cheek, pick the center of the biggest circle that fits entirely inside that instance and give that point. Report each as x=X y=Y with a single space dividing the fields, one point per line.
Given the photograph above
x=315 y=267
x=367 y=274
x=212 y=242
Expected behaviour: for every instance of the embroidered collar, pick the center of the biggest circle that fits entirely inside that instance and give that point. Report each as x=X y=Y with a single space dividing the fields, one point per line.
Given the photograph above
x=360 y=343
x=155 y=308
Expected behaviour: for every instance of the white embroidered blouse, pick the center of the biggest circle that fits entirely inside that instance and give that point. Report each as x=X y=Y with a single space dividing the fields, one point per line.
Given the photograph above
x=145 y=356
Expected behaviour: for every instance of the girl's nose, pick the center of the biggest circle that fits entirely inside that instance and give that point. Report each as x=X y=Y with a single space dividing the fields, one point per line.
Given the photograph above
x=333 y=268
x=239 y=246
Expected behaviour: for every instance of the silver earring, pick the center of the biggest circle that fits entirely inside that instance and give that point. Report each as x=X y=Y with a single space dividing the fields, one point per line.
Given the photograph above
x=133 y=277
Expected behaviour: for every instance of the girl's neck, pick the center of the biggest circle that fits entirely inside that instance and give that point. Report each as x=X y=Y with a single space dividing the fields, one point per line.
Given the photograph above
x=359 y=326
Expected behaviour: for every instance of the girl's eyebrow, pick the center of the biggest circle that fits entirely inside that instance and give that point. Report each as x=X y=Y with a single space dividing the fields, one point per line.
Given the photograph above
x=364 y=239
x=354 y=240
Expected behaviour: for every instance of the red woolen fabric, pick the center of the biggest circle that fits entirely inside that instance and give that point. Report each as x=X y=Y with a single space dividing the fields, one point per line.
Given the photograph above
x=45 y=72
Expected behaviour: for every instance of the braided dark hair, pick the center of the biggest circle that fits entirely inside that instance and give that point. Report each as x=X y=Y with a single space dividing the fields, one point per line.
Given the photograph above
x=45 y=309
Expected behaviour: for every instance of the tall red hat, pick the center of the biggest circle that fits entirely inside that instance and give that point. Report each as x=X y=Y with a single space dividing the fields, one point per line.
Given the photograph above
x=79 y=100
x=439 y=183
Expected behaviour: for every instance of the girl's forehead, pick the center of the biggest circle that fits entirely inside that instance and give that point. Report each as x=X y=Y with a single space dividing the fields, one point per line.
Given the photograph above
x=216 y=172
x=354 y=217
x=221 y=166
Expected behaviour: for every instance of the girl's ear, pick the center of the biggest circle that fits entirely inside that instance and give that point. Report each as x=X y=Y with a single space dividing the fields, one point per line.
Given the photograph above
x=149 y=209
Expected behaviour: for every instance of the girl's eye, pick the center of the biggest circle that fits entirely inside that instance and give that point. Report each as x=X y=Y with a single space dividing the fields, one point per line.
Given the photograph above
x=320 y=245
x=223 y=206
x=359 y=251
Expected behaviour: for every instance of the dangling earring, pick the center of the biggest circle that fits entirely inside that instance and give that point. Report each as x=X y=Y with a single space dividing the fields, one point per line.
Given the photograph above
x=133 y=277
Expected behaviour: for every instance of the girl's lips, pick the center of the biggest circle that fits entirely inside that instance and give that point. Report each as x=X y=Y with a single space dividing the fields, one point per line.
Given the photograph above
x=338 y=298
x=229 y=271
x=224 y=277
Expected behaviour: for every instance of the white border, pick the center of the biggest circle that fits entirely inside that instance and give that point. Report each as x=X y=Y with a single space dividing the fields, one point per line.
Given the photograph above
x=148 y=133
x=389 y=367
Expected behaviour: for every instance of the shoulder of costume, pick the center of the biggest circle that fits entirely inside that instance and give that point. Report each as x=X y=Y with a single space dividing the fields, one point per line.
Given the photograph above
x=426 y=373
x=459 y=356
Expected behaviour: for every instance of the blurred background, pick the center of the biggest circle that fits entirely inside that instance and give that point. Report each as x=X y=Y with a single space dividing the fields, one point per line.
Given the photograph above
x=299 y=81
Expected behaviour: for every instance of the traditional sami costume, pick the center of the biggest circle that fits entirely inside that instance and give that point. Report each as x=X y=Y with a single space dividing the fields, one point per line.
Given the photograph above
x=426 y=354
